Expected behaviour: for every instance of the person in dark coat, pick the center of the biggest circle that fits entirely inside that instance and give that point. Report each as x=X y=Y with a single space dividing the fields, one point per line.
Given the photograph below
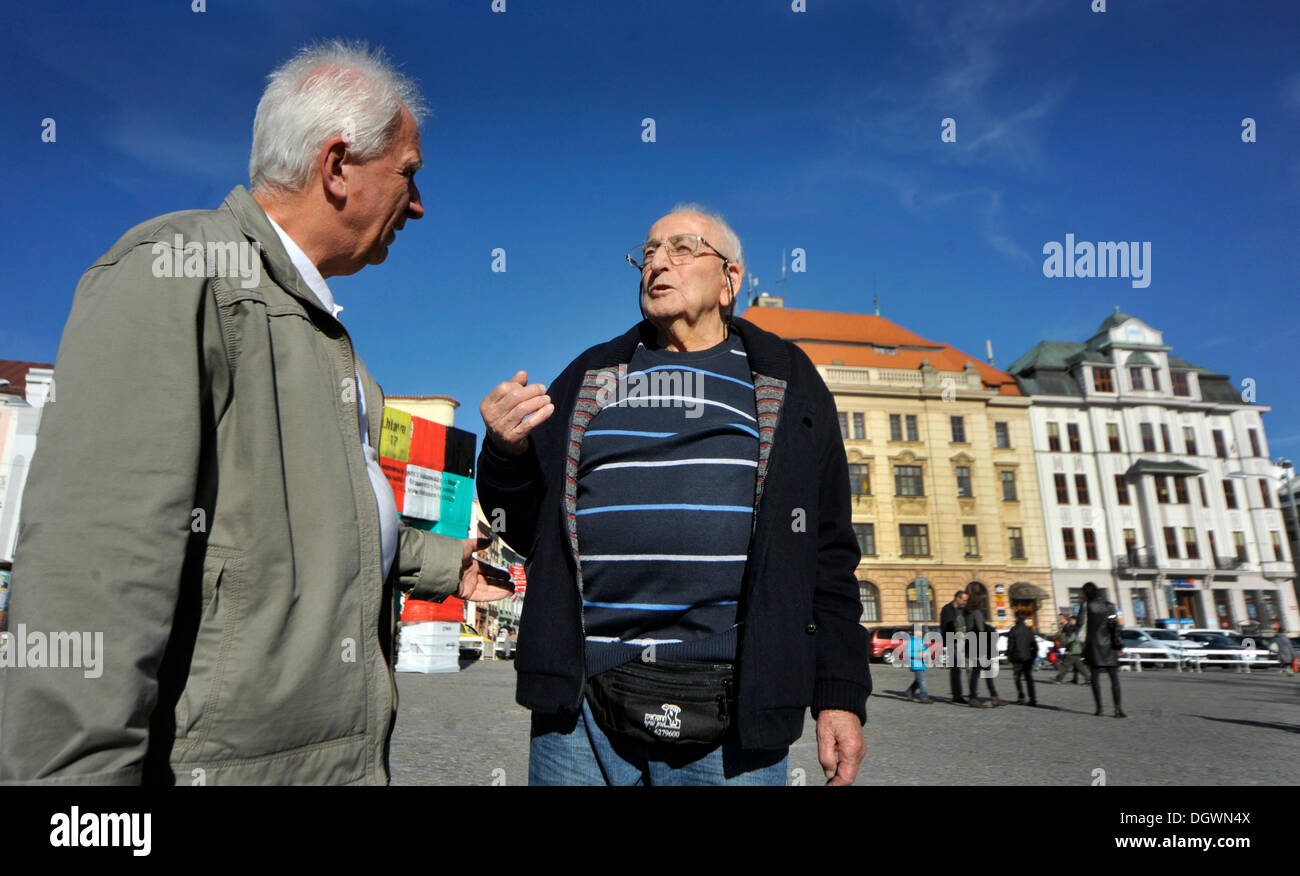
x=1099 y=649
x=1022 y=653
x=976 y=623
x=952 y=620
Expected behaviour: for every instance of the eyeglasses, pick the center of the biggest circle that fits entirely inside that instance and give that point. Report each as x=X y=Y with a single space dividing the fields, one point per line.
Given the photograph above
x=680 y=248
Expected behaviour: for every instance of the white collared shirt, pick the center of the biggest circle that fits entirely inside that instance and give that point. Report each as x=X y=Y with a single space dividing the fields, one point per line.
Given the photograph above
x=384 y=499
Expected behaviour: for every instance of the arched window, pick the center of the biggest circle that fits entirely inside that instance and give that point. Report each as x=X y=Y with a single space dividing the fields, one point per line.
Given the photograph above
x=920 y=606
x=870 y=595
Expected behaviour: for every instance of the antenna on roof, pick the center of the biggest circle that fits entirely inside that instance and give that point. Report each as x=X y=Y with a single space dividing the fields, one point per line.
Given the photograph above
x=753 y=286
x=874 y=295
x=988 y=349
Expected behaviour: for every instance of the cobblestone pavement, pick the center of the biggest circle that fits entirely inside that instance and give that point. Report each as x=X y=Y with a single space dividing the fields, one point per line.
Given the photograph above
x=1214 y=728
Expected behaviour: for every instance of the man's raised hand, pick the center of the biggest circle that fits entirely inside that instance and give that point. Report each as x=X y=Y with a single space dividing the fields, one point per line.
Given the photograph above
x=512 y=410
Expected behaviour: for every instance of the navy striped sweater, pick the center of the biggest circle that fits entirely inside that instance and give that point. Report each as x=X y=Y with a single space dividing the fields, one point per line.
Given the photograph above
x=665 y=506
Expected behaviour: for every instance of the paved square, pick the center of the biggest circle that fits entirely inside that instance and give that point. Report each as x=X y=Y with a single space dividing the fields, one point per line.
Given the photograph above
x=1214 y=728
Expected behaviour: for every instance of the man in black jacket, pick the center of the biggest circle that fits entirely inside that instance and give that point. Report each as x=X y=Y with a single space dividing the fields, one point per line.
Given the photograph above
x=952 y=621
x=702 y=526
x=1022 y=653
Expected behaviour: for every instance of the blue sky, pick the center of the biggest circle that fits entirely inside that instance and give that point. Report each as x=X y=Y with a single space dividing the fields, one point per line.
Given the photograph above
x=818 y=130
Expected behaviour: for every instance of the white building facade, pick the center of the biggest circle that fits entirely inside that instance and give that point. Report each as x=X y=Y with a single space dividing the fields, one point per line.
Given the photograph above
x=23 y=396
x=1156 y=483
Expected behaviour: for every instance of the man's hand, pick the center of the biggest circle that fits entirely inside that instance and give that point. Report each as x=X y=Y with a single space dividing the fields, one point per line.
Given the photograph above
x=480 y=582
x=512 y=410
x=840 y=745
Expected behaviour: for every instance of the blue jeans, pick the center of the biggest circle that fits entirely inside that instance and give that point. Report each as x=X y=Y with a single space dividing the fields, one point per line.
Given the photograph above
x=575 y=751
x=919 y=684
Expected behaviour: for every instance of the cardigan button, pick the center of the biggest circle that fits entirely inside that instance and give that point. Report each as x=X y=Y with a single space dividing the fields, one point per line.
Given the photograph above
x=810 y=629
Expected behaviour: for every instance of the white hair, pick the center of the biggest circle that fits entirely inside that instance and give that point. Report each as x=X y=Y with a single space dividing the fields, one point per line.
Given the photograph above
x=729 y=242
x=327 y=90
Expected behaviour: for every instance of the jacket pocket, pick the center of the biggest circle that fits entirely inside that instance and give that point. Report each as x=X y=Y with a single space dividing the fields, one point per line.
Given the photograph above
x=198 y=704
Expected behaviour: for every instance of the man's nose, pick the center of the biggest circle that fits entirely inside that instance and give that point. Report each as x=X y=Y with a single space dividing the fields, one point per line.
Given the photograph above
x=414 y=208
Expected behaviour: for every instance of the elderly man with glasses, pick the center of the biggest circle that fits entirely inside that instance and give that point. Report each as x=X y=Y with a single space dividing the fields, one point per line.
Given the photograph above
x=690 y=554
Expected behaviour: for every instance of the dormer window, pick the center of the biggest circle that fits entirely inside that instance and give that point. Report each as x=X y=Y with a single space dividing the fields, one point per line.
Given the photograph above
x=1136 y=378
x=1103 y=379
x=1181 y=385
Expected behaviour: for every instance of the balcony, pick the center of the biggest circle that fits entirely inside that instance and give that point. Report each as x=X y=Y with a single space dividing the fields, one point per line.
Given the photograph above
x=1228 y=564
x=1137 y=558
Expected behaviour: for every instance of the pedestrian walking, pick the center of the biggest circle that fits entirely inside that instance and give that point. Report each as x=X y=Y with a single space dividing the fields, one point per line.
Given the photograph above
x=1022 y=652
x=1103 y=644
x=952 y=623
x=1068 y=635
x=916 y=662
x=1285 y=654
x=987 y=638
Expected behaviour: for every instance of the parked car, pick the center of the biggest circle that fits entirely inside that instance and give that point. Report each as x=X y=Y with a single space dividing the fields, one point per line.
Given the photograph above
x=1213 y=641
x=1136 y=637
x=882 y=645
x=471 y=640
x=1170 y=639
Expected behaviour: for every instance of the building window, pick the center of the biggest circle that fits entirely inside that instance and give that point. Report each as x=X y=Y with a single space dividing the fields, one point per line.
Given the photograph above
x=1135 y=378
x=869 y=595
x=1189 y=543
x=1103 y=379
x=911 y=427
x=970 y=540
x=920 y=610
x=895 y=427
x=866 y=533
x=1081 y=489
x=963 y=482
x=1112 y=435
x=1180 y=490
x=859 y=425
x=844 y=425
x=1017 y=543
x=1200 y=486
x=860 y=478
x=958 y=429
x=915 y=539
x=1229 y=493
x=1067 y=538
x=1166 y=446
x=1072 y=431
x=1002 y=438
x=1130 y=541
x=1171 y=543
x=1076 y=600
x=1239 y=545
x=1162 y=489
x=1148 y=438
x=1277 y=546
x=908 y=481
x=1220 y=448
x=1053 y=436
x=1189 y=439
x=1155 y=379
x=1008 y=486
x=1179 y=379
x=1254 y=442
x=1263 y=493
x=1090 y=544
x=1121 y=489
x=1062 y=489
x=1214 y=548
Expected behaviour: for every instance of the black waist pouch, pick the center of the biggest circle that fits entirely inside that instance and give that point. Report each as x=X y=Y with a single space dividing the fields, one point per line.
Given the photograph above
x=673 y=702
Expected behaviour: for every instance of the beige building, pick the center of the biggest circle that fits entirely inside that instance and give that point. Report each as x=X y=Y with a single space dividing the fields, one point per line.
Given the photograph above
x=941 y=466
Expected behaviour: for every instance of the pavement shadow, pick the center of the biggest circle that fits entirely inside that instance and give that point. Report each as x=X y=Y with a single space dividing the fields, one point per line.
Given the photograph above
x=1267 y=725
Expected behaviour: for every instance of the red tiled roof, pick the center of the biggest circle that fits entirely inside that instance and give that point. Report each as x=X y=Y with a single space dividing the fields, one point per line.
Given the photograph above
x=16 y=373
x=851 y=338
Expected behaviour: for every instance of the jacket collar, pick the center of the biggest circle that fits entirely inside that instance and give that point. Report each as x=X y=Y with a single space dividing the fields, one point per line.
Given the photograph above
x=767 y=352
x=253 y=221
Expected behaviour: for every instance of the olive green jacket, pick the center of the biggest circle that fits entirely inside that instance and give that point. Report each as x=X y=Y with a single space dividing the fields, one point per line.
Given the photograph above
x=199 y=495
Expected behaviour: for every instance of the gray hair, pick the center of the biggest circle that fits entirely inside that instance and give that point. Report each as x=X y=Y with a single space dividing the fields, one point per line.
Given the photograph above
x=327 y=90
x=728 y=244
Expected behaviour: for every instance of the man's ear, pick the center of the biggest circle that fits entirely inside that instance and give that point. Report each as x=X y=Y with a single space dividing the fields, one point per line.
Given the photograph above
x=329 y=161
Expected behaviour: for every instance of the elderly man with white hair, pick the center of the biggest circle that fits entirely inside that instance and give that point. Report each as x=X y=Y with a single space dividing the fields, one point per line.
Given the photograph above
x=686 y=521
x=207 y=491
